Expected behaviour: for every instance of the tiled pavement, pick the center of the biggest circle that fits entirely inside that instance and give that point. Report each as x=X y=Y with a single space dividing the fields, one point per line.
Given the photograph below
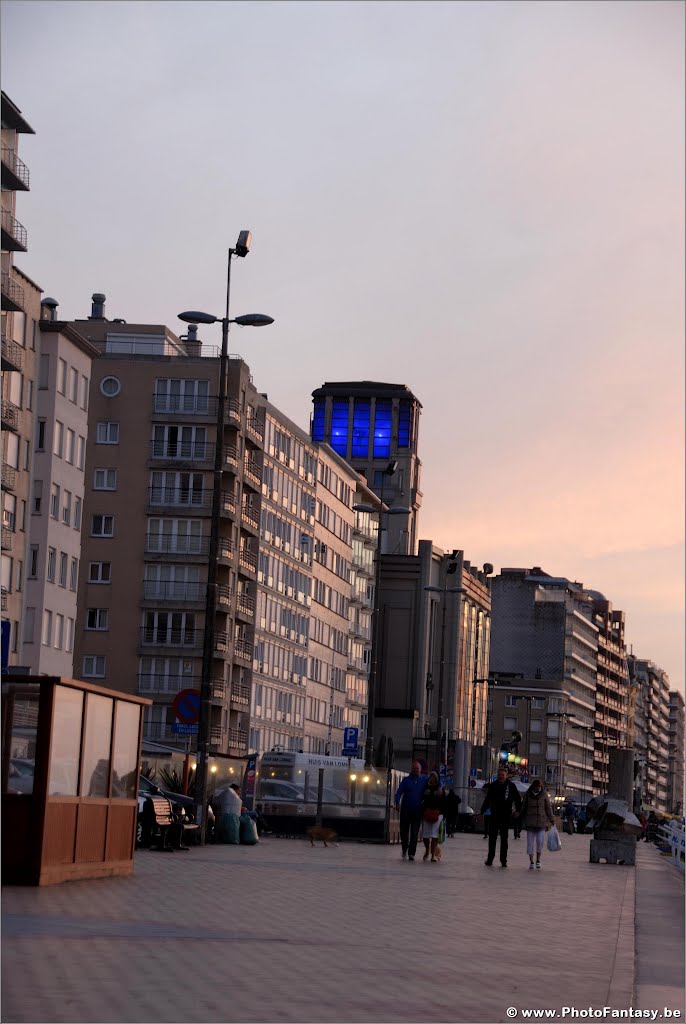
x=285 y=932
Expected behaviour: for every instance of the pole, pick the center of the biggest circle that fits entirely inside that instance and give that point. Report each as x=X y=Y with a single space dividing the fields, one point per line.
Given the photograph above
x=376 y=634
x=211 y=595
x=328 y=738
x=439 y=703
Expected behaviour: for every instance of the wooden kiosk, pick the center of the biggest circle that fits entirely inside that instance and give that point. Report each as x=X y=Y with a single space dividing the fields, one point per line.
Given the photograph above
x=70 y=760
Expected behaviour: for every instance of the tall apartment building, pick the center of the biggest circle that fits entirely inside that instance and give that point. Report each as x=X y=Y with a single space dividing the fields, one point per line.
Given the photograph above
x=370 y=424
x=612 y=688
x=20 y=315
x=147 y=506
x=650 y=731
x=56 y=508
x=543 y=628
x=675 y=782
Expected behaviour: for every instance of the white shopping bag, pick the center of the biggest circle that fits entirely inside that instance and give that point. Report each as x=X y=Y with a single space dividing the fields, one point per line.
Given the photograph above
x=554 y=841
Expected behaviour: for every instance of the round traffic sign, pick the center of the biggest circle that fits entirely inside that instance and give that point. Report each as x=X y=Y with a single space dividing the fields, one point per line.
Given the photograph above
x=186 y=706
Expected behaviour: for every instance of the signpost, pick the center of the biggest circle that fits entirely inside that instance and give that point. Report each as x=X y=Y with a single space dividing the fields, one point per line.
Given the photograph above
x=350 y=737
x=186 y=706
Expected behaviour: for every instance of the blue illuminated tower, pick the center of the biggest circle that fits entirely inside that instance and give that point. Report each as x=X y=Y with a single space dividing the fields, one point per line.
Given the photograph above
x=370 y=424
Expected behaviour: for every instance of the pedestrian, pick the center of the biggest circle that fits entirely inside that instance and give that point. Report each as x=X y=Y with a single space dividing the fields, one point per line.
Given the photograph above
x=501 y=799
x=452 y=809
x=433 y=805
x=536 y=817
x=408 y=800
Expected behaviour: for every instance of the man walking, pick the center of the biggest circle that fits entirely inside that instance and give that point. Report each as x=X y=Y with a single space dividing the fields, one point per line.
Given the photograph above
x=502 y=797
x=408 y=800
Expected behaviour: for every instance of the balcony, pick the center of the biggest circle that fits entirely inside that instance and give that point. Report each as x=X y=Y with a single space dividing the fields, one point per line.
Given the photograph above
x=200 y=406
x=216 y=736
x=163 y=637
x=226 y=550
x=161 y=498
x=243 y=649
x=222 y=642
x=174 y=590
x=14 y=237
x=231 y=457
x=10 y=415
x=233 y=410
x=238 y=740
x=250 y=516
x=160 y=544
x=15 y=173
x=3 y=599
x=156 y=683
x=9 y=477
x=240 y=694
x=247 y=560
x=252 y=472
x=224 y=595
x=12 y=354
x=227 y=506
x=6 y=538
x=246 y=605
x=255 y=428
x=13 y=299
x=364 y=566
x=217 y=691
x=194 y=452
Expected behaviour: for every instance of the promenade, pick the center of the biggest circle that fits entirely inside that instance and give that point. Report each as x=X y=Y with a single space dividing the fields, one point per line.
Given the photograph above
x=287 y=932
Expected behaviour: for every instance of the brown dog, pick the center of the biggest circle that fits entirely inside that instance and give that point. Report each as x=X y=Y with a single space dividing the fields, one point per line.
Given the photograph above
x=319 y=832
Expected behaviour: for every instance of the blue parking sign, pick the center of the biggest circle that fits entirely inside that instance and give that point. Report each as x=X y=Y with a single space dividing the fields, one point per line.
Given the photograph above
x=350 y=736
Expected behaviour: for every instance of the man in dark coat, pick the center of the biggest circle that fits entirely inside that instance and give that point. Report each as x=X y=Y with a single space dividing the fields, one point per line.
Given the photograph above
x=503 y=800
x=452 y=809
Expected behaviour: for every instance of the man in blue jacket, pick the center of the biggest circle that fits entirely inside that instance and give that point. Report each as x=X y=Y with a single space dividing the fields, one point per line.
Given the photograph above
x=408 y=800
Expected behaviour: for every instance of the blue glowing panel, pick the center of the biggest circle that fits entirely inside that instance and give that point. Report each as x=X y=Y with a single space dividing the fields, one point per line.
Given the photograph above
x=404 y=425
x=382 y=430
x=361 y=419
x=339 y=427
x=318 y=420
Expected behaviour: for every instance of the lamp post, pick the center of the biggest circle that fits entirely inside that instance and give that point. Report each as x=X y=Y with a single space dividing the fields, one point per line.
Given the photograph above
x=443 y=591
x=250 y=320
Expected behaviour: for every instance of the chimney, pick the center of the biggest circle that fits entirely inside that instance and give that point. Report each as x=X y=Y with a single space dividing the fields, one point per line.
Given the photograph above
x=193 y=342
x=48 y=309
x=98 y=310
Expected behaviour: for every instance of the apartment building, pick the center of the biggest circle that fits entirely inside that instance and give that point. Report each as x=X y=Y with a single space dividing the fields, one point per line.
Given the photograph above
x=650 y=732
x=56 y=507
x=372 y=426
x=612 y=688
x=20 y=316
x=675 y=781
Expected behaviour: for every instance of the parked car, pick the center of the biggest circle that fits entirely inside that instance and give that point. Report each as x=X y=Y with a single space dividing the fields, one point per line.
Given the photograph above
x=20 y=775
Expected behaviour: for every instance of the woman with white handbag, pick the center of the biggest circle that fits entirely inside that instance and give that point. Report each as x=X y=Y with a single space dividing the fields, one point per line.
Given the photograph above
x=537 y=817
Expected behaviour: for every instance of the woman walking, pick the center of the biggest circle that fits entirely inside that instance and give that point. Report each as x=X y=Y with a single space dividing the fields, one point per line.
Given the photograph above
x=433 y=803
x=537 y=817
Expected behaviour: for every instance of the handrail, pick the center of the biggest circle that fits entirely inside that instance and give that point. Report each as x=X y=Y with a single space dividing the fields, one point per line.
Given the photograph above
x=16 y=165
x=13 y=228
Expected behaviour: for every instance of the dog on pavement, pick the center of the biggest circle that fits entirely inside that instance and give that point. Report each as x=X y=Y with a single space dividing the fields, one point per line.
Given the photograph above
x=327 y=835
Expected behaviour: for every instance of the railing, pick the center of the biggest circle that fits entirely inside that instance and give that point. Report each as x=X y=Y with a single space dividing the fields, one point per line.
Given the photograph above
x=674 y=836
x=13 y=291
x=226 y=549
x=251 y=515
x=158 y=637
x=224 y=594
x=255 y=427
x=3 y=599
x=6 y=538
x=243 y=649
x=155 y=683
x=216 y=735
x=10 y=415
x=171 y=496
x=248 y=560
x=184 y=451
x=12 y=352
x=238 y=739
x=17 y=166
x=217 y=689
x=228 y=503
x=252 y=470
x=159 y=544
x=231 y=455
x=221 y=642
x=185 y=405
x=14 y=229
x=9 y=476
x=173 y=590
x=365 y=566
x=240 y=693
x=246 y=604
x=233 y=409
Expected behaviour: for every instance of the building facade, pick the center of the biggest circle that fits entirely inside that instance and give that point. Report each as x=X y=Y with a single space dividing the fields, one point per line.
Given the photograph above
x=612 y=688
x=675 y=781
x=650 y=733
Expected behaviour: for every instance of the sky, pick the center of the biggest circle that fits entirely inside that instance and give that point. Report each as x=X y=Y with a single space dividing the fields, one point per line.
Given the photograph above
x=481 y=201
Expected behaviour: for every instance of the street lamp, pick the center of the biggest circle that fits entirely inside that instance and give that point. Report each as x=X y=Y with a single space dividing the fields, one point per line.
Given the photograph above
x=249 y=320
x=444 y=591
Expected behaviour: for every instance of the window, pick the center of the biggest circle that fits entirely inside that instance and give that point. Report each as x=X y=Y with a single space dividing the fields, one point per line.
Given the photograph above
x=58 y=446
x=362 y=410
x=64 y=562
x=511 y=702
x=61 y=376
x=107 y=432
x=73 y=385
x=29 y=394
x=404 y=425
x=93 y=667
x=77 y=513
x=40 y=436
x=27 y=455
x=71 y=439
x=66 y=508
x=339 y=426
x=22 y=516
x=9 y=510
x=19 y=576
x=535 y=770
x=538 y=703
x=536 y=725
x=69 y=645
x=59 y=632
x=554 y=728
x=382 y=429
x=52 y=560
x=85 y=384
x=103 y=526
x=535 y=748
x=100 y=572
x=33 y=562
x=110 y=387
x=97 y=618
x=555 y=704
x=81 y=452
x=510 y=722
x=318 y=419
x=105 y=480
x=47 y=629
x=55 y=501
x=74 y=574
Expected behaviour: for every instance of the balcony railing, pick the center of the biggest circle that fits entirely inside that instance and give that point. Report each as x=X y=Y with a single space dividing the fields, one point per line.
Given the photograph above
x=186 y=405
x=157 y=683
x=14 y=295
x=3 y=599
x=9 y=476
x=184 y=451
x=159 y=637
x=174 y=590
x=255 y=427
x=6 y=538
x=172 y=497
x=253 y=471
x=251 y=515
x=228 y=504
x=10 y=415
x=224 y=595
x=233 y=409
x=12 y=354
x=248 y=560
x=243 y=649
x=246 y=604
x=238 y=739
x=363 y=566
x=14 y=235
x=159 y=544
x=226 y=549
x=222 y=642
x=216 y=735
x=161 y=731
x=240 y=694
x=217 y=690
x=17 y=167
x=231 y=456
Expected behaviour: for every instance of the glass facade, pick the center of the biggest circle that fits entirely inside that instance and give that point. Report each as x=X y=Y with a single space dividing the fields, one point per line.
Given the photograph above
x=361 y=420
x=318 y=419
x=382 y=429
x=339 y=427
x=404 y=425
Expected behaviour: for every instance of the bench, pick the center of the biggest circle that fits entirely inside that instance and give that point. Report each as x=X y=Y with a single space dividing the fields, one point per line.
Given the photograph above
x=166 y=832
